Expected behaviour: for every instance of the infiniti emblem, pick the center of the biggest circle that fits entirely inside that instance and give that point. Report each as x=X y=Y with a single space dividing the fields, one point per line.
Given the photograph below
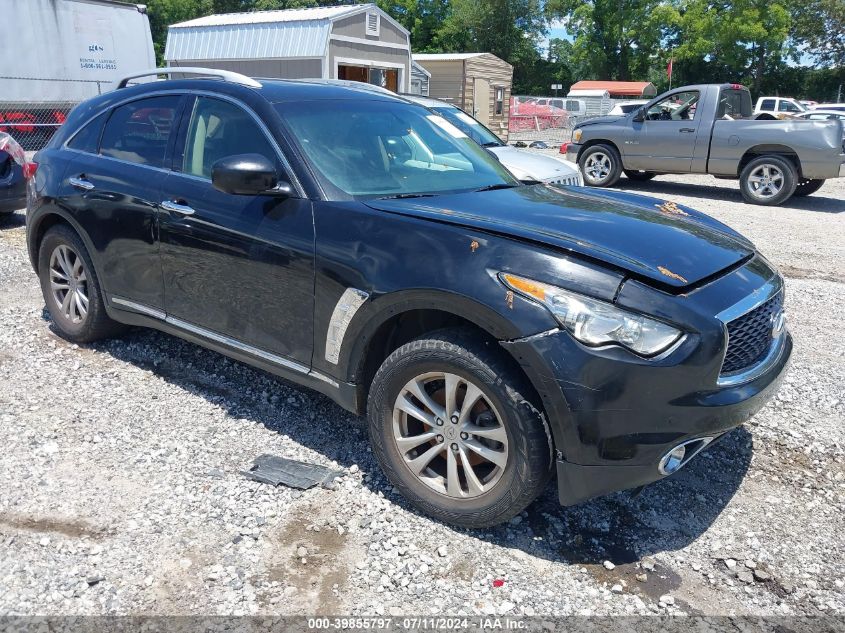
x=777 y=321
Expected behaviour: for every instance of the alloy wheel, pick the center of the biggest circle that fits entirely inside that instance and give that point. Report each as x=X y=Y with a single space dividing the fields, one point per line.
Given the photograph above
x=449 y=435
x=69 y=283
x=766 y=181
x=597 y=166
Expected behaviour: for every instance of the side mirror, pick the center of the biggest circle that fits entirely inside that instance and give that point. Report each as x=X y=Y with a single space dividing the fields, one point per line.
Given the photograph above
x=639 y=116
x=247 y=175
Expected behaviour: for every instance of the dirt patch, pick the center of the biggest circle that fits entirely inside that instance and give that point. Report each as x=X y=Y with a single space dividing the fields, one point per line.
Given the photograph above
x=793 y=272
x=316 y=580
x=66 y=527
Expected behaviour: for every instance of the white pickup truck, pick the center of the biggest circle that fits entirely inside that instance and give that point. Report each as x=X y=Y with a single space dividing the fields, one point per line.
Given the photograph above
x=779 y=107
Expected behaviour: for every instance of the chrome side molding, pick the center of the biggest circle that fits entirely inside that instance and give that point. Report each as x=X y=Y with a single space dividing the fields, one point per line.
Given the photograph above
x=228 y=341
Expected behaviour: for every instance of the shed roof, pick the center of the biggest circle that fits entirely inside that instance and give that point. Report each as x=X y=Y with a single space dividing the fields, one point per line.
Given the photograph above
x=267 y=34
x=618 y=88
x=444 y=57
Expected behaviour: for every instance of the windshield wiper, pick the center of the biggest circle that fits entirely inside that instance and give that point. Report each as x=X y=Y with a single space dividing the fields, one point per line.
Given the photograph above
x=501 y=185
x=403 y=196
x=491 y=144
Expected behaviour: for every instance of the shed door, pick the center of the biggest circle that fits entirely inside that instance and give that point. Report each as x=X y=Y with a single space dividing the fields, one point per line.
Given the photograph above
x=481 y=100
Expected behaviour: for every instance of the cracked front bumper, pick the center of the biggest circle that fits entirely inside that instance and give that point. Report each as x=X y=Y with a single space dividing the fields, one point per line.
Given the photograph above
x=615 y=416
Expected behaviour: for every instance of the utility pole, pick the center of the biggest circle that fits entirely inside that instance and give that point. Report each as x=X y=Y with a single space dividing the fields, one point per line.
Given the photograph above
x=839 y=94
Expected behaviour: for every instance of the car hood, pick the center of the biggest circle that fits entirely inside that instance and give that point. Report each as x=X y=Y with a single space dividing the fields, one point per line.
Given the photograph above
x=668 y=244
x=531 y=166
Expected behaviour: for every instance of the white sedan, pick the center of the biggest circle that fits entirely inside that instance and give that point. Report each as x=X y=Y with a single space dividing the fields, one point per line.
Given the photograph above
x=822 y=115
x=526 y=166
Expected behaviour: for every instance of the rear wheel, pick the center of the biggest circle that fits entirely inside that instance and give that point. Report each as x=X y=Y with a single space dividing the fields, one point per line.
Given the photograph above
x=639 y=175
x=600 y=166
x=453 y=431
x=71 y=289
x=768 y=180
x=808 y=187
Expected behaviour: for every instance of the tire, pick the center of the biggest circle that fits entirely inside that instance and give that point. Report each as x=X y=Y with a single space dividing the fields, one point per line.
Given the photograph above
x=525 y=455
x=639 y=176
x=603 y=162
x=808 y=187
x=77 y=322
x=759 y=188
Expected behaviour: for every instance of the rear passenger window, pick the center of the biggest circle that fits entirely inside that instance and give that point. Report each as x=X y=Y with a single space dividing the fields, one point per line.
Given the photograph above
x=219 y=129
x=138 y=132
x=768 y=104
x=86 y=139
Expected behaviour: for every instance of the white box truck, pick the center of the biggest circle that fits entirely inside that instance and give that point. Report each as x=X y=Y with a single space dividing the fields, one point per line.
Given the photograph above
x=60 y=52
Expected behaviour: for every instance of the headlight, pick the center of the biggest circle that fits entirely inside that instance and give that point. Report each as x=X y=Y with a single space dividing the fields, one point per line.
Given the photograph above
x=576 y=136
x=596 y=322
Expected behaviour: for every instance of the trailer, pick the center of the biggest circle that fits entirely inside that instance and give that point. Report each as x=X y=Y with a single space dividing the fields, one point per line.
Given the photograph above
x=65 y=51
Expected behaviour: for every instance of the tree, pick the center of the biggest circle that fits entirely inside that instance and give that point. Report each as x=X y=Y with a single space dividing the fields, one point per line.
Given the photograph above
x=819 y=29
x=738 y=39
x=163 y=13
x=505 y=28
x=422 y=18
x=614 y=39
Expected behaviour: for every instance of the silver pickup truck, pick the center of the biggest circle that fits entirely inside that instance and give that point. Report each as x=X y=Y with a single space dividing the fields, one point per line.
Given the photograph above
x=710 y=129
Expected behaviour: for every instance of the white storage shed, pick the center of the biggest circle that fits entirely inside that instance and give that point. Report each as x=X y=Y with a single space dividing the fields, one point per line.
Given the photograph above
x=597 y=102
x=354 y=42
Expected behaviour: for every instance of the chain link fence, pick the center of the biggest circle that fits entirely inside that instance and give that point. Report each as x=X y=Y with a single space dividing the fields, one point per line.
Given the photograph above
x=33 y=108
x=551 y=129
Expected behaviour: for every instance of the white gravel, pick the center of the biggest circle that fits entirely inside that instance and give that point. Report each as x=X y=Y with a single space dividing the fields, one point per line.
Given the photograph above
x=122 y=491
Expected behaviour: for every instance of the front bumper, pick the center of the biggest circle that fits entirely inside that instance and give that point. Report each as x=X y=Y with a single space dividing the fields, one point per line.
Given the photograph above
x=618 y=428
x=711 y=416
x=614 y=415
x=572 y=151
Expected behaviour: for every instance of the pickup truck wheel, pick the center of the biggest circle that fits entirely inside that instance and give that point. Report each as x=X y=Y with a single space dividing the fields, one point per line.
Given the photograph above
x=807 y=187
x=71 y=289
x=768 y=180
x=600 y=166
x=640 y=175
x=453 y=431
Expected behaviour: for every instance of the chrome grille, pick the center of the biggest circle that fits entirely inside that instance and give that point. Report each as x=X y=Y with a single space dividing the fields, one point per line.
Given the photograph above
x=750 y=336
x=566 y=181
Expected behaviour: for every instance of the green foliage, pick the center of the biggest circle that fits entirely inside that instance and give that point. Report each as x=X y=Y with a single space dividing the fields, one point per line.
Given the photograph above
x=819 y=26
x=615 y=39
x=754 y=42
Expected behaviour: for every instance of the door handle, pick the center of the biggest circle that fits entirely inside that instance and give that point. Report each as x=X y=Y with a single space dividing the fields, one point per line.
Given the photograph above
x=687 y=130
x=177 y=208
x=81 y=183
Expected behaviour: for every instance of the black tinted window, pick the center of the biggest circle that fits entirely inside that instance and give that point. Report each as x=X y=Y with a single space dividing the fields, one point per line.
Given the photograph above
x=86 y=139
x=219 y=129
x=139 y=131
x=735 y=104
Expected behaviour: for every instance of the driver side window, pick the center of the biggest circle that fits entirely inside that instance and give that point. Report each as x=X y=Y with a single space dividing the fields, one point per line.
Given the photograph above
x=680 y=106
x=219 y=129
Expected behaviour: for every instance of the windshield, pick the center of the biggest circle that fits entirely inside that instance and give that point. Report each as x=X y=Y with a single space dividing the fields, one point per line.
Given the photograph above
x=469 y=126
x=373 y=149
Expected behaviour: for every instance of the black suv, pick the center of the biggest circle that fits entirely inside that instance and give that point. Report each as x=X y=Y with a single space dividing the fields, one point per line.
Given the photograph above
x=493 y=332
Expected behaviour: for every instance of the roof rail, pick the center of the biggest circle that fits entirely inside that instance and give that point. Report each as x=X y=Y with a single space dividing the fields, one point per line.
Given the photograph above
x=225 y=75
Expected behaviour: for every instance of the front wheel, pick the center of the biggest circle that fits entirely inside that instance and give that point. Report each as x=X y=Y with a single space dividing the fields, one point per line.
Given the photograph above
x=768 y=180
x=453 y=430
x=639 y=176
x=601 y=166
x=808 y=187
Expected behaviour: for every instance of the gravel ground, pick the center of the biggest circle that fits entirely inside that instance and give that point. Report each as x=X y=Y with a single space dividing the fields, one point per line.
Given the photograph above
x=123 y=491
